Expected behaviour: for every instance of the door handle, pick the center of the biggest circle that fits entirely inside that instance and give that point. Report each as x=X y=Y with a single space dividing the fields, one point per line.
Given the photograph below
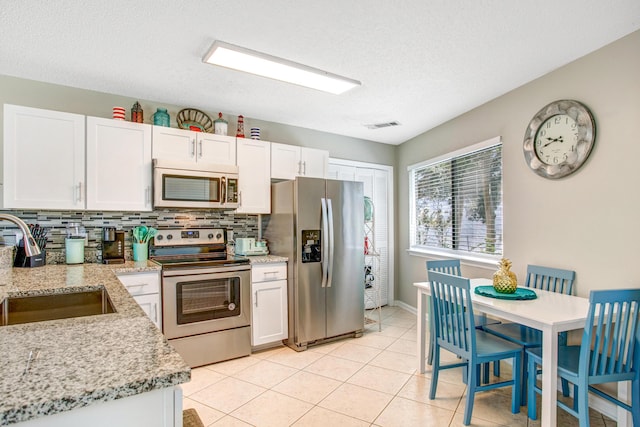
x=331 y=243
x=193 y=148
x=80 y=191
x=256 y=298
x=200 y=147
x=223 y=190
x=324 y=242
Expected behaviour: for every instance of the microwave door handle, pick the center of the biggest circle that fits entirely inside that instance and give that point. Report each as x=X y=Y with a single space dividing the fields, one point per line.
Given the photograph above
x=223 y=190
x=324 y=242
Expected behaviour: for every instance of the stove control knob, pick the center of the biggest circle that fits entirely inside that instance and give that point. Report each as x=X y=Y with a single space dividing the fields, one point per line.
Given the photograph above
x=219 y=236
x=159 y=237
x=210 y=236
x=169 y=236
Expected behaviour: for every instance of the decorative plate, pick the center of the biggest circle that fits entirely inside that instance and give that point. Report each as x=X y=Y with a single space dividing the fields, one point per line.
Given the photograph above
x=520 y=293
x=191 y=117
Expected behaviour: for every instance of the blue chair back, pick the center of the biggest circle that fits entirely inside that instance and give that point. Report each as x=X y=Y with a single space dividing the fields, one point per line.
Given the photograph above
x=550 y=279
x=454 y=325
x=448 y=266
x=615 y=354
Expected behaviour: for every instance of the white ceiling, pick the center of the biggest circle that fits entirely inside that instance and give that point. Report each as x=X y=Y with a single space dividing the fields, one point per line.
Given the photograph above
x=421 y=62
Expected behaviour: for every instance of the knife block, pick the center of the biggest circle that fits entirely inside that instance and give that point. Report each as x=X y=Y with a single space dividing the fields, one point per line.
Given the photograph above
x=22 y=260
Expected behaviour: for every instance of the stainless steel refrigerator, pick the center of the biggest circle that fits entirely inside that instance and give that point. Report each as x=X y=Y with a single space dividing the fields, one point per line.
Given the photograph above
x=319 y=225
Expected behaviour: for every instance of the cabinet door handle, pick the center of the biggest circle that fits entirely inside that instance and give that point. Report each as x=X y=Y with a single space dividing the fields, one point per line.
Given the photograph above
x=80 y=191
x=193 y=148
x=200 y=144
x=147 y=195
x=239 y=198
x=304 y=166
x=155 y=313
x=256 y=298
x=299 y=168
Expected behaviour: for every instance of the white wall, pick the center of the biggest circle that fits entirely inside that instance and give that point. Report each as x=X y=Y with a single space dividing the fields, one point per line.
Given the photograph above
x=589 y=221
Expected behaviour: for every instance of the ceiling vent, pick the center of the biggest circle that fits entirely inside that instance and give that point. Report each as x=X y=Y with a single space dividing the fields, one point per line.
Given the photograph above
x=382 y=125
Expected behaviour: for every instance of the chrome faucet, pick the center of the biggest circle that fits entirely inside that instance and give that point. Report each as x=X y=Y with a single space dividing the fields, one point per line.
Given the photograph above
x=30 y=246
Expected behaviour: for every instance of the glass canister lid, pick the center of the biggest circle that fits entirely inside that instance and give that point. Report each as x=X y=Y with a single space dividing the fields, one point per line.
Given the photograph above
x=76 y=230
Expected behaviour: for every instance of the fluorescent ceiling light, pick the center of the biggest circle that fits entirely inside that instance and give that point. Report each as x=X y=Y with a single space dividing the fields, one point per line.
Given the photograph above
x=250 y=61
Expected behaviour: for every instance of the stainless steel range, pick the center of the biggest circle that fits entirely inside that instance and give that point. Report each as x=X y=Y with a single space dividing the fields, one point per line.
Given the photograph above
x=205 y=295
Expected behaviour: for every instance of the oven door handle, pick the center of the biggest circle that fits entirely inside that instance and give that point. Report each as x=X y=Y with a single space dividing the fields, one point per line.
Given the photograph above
x=324 y=244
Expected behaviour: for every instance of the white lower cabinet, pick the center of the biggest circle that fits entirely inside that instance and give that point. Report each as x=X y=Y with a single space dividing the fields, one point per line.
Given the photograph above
x=269 y=313
x=158 y=408
x=144 y=287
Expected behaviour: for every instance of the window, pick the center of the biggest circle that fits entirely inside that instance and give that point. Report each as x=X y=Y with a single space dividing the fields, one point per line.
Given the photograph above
x=457 y=201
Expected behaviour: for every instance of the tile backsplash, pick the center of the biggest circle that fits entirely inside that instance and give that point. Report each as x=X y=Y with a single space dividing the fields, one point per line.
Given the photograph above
x=56 y=222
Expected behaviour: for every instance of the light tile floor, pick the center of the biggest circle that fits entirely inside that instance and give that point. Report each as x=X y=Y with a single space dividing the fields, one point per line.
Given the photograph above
x=367 y=381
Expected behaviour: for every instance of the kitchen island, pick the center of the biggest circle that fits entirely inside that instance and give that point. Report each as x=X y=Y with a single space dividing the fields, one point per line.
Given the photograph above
x=111 y=369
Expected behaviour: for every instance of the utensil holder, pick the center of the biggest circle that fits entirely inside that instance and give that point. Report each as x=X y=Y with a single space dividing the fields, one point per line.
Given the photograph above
x=140 y=251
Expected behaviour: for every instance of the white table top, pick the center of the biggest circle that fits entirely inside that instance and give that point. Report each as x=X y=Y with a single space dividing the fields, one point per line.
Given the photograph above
x=550 y=309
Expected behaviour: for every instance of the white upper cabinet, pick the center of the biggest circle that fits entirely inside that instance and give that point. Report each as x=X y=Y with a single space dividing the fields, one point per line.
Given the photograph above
x=44 y=159
x=189 y=146
x=254 y=169
x=118 y=165
x=289 y=161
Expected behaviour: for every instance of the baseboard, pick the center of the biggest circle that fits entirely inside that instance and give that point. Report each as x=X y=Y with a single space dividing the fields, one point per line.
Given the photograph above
x=405 y=306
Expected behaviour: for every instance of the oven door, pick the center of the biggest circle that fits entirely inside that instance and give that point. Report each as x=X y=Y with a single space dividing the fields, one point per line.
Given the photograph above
x=198 y=301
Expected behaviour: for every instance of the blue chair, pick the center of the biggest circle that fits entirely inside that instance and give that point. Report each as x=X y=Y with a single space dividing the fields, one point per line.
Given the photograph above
x=451 y=266
x=455 y=331
x=609 y=352
x=548 y=279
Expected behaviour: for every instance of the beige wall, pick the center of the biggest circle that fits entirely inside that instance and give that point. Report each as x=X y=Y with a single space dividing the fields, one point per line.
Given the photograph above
x=91 y=103
x=588 y=221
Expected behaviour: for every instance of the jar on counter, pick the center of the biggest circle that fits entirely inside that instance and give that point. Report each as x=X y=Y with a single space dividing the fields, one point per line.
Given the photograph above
x=74 y=243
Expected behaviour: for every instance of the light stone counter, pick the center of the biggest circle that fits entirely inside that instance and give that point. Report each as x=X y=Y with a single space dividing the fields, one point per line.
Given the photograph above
x=266 y=259
x=82 y=360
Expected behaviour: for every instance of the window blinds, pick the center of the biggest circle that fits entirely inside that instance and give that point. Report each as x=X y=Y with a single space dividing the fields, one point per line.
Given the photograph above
x=457 y=202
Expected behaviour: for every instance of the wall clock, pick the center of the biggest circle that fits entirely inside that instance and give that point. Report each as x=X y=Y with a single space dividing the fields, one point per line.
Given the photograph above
x=559 y=139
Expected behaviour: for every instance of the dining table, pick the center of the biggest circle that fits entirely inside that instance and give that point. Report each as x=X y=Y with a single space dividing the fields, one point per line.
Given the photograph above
x=549 y=312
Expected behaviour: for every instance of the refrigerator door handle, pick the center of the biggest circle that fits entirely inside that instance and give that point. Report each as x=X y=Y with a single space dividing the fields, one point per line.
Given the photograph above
x=331 y=243
x=324 y=242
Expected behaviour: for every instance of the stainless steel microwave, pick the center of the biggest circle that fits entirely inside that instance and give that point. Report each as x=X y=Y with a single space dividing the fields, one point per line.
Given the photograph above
x=194 y=185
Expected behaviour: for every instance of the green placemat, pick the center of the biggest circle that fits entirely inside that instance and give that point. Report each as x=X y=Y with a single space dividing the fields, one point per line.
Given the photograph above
x=520 y=293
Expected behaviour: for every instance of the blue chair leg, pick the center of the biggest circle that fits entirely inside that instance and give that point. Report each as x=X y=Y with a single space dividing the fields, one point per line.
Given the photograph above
x=532 y=411
x=434 y=375
x=432 y=333
x=523 y=376
x=583 y=403
x=471 y=391
x=565 y=387
x=517 y=384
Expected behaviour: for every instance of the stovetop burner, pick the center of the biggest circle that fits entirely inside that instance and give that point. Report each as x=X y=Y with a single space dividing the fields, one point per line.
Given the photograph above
x=202 y=247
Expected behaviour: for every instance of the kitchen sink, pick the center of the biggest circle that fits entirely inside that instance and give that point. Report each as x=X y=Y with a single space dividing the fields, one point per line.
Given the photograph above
x=37 y=308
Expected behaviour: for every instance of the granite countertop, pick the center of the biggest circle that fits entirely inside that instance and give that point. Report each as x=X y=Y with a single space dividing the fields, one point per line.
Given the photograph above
x=266 y=259
x=81 y=360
